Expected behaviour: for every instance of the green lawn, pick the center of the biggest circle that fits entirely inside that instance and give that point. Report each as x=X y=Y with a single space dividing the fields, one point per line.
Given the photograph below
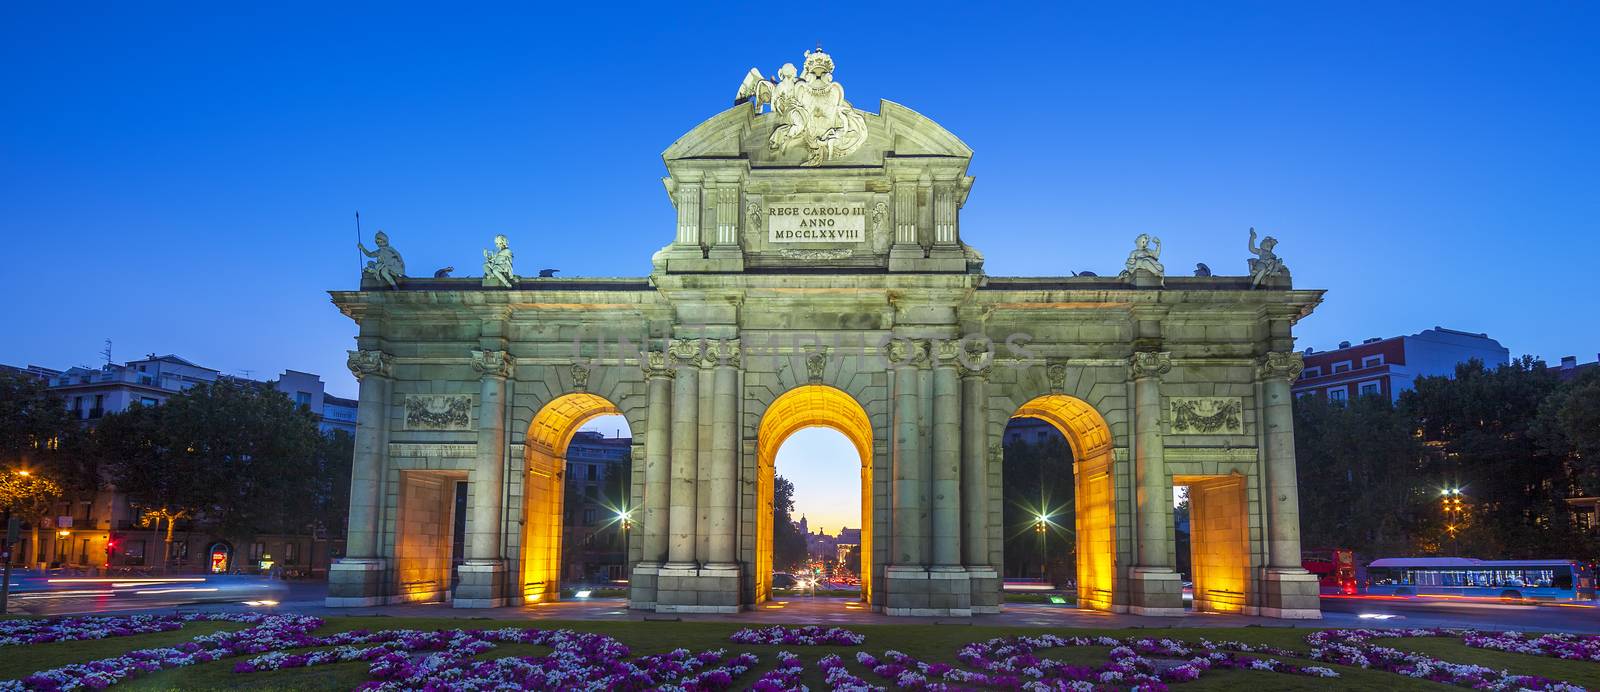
x=927 y=642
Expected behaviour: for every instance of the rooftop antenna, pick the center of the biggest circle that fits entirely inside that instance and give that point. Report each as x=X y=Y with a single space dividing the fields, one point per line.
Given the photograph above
x=247 y=373
x=107 y=352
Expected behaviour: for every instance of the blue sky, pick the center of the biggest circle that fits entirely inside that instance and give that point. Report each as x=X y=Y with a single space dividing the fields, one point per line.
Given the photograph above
x=183 y=180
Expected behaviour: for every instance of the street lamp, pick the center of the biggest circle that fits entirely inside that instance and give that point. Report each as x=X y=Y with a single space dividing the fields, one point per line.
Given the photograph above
x=1039 y=524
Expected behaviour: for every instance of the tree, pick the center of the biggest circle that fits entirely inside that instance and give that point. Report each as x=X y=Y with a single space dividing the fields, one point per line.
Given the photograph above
x=239 y=457
x=1360 y=472
x=852 y=561
x=788 y=546
x=33 y=419
x=28 y=495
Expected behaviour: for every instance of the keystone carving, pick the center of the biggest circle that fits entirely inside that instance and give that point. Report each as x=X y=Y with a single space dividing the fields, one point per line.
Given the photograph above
x=1150 y=364
x=493 y=363
x=580 y=377
x=1280 y=366
x=816 y=362
x=1057 y=374
x=366 y=362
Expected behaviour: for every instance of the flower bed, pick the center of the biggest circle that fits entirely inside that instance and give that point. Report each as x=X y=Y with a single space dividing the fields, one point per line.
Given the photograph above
x=809 y=635
x=1354 y=647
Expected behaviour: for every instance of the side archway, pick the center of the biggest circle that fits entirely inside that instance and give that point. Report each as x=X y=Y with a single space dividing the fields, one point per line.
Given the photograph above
x=809 y=406
x=1094 y=517
x=545 y=459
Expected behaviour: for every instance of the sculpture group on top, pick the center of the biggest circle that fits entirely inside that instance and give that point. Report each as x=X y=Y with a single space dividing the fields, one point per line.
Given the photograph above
x=389 y=269
x=386 y=265
x=1146 y=255
x=810 y=107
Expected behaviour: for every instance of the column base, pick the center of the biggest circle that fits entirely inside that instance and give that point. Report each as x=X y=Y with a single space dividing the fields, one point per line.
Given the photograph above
x=642 y=586
x=914 y=590
x=1155 y=592
x=688 y=588
x=482 y=585
x=1290 y=593
x=987 y=589
x=357 y=582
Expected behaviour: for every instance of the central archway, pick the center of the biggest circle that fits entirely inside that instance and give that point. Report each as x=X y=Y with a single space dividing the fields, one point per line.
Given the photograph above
x=1094 y=516
x=545 y=457
x=809 y=406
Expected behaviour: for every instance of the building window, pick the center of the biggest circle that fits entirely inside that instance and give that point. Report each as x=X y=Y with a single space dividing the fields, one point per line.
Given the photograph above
x=588 y=516
x=1341 y=366
x=133 y=553
x=1369 y=389
x=302 y=398
x=1309 y=373
x=1304 y=394
x=291 y=551
x=147 y=401
x=592 y=471
x=257 y=549
x=1338 y=394
x=1372 y=361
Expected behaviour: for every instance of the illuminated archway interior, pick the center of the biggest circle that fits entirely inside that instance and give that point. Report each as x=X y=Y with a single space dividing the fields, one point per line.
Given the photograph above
x=544 y=452
x=1095 y=515
x=1219 y=542
x=809 y=406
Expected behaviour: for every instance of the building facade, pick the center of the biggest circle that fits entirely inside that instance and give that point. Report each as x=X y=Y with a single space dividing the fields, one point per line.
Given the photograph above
x=818 y=274
x=1387 y=367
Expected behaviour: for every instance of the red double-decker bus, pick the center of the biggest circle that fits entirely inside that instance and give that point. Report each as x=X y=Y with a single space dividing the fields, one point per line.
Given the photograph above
x=1335 y=568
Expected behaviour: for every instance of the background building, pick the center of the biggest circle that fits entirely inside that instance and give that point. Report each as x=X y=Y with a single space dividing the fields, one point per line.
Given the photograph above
x=1389 y=366
x=105 y=529
x=591 y=541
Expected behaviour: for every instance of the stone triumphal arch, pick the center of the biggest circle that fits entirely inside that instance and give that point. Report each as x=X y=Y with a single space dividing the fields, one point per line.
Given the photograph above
x=818 y=274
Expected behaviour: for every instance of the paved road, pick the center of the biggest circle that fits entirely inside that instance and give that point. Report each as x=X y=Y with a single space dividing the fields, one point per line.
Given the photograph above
x=306 y=597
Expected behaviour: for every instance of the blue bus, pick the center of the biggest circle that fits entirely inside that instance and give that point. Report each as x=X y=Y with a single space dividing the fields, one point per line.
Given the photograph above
x=1542 y=580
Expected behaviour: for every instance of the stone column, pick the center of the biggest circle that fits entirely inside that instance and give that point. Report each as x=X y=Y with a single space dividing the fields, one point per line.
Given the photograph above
x=1156 y=588
x=358 y=578
x=1288 y=590
x=483 y=576
x=986 y=583
x=685 y=455
x=946 y=508
x=657 y=457
x=906 y=455
x=723 y=508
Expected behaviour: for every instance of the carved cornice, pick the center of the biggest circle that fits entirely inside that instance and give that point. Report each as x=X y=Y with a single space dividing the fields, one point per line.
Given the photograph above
x=1278 y=365
x=1143 y=364
x=367 y=362
x=655 y=364
x=493 y=363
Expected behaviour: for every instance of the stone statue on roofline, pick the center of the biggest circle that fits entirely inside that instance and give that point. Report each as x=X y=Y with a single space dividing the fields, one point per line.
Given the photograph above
x=497 y=265
x=386 y=266
x=1265 y=265
x=810 y=108
x=1146 y=255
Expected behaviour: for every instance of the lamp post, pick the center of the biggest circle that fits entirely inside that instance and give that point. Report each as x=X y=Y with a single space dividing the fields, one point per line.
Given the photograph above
x=1450 y=505
x=1044 y=557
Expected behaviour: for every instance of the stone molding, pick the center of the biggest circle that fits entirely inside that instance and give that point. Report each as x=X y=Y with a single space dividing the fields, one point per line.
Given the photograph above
x=1243 y=455
x=1145 y=364
x=369 y=362
x=1280 y=365
x=442 y=450
x=498 y=364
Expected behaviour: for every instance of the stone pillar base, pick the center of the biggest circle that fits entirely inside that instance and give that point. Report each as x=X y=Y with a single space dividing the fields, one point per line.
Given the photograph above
x=927 y=591
x=357 y=582
x=987 y=589
x=1290 y=593
x=1155 y=592
x=642 y=586
x=482 y=585
x=694 y=589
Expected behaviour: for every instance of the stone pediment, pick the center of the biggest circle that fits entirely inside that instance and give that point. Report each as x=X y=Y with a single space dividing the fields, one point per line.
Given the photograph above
x=742 y=133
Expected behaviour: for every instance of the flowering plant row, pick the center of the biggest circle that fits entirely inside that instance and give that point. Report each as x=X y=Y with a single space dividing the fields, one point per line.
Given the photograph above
x=1354 y=647
x=1572 y=647
x=41 y=631
x=809 y=635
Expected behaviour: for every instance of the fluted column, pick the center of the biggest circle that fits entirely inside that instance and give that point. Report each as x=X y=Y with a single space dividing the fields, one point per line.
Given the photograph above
x=1276 y=371
x=685 y=454
x=974 y=454
x=657 y=457
x=907 y=457
x=946 y=509
x=723 y=506
x=371 y=368
x=488 y=473
x=1149 y=460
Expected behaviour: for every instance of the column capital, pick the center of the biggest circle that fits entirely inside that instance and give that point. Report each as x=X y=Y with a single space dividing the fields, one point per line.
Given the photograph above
x=905 y=351
x=723 y=352
x=366 y=362
x=1280 y=365
x=496 y=364
x=656 y=366
x=975 y=363
x=1144 y=364
x=686 y=352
